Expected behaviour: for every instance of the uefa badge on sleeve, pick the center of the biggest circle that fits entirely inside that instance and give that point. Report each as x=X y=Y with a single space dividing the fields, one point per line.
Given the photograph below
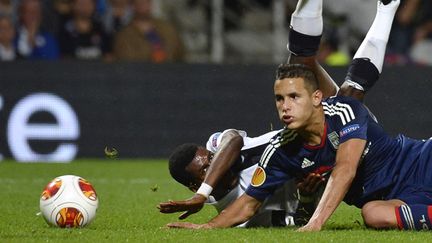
x=258 y=177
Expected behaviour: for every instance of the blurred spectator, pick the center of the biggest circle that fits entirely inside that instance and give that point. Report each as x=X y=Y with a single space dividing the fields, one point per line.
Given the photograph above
x=421 y=51
x=330 y=53
x=348 y=21
x=249 y=31
x=32 y=42
x=118 y=15
x=401 y=36
x=147 y=38
x=6 y=7
x=192 y=21
x=82 y=36
x=101 y=7
x=7 y=35
x=63 y=7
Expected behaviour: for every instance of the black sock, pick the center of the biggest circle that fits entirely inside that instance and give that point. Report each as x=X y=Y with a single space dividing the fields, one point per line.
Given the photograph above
x=303 y=45
x=362 y=72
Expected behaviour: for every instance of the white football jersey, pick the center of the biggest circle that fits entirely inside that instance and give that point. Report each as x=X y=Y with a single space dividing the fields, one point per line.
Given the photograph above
x=283 y=199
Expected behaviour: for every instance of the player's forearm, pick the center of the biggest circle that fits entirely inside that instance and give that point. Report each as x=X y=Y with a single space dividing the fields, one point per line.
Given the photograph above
x=224 y=158
x=347 y=160
x=240 y=211
x=337 y=186
x=326 y=84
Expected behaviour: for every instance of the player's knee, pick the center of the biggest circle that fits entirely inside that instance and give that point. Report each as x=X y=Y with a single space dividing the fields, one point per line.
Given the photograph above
x=378 y=216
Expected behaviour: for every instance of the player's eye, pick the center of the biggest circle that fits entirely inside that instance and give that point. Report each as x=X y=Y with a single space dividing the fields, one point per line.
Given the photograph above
x=293 y=96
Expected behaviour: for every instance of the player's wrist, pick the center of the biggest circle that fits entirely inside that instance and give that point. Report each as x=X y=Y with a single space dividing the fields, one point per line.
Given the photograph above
x=205 y=190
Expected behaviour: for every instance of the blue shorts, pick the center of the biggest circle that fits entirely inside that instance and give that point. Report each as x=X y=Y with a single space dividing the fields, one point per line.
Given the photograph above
x=414 y=185
x=412 y=195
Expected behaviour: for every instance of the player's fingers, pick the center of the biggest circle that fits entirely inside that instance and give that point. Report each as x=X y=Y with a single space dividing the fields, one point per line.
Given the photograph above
x=174 y=225
x=165 y=210
x=313 y=183
x=300 y=186
x=308 y=179
x=318 y=183
x=305 y=185
x=170 y=208
x=186 y=214
x=180 y=225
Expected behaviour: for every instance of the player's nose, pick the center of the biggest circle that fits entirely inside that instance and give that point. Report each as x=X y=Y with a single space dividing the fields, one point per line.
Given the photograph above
x=286 y=106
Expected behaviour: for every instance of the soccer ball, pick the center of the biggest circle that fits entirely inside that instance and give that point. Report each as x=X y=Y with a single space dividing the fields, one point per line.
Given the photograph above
x=69 y=201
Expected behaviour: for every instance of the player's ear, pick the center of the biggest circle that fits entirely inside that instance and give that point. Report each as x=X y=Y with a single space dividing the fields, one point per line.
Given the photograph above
x=317 y=96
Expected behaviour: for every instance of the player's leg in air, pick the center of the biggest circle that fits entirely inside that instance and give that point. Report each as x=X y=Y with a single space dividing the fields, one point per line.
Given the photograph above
x=368 y=61
x=304 y=40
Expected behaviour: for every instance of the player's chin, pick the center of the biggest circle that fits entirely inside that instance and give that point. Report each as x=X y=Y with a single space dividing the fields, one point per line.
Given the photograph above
x=291 y=125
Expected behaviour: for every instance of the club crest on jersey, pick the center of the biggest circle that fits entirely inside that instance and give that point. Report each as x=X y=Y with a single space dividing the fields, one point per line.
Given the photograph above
x=214 y=139
x=349 y=129
x=307 y=163
x=334 y=139
x=258 y=177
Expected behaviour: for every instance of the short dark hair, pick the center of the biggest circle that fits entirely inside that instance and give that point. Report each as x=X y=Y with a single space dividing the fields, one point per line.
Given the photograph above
x=180 y=158
x=298 y=71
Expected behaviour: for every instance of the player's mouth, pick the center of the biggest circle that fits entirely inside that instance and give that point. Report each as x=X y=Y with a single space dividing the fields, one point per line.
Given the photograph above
x=287 y=119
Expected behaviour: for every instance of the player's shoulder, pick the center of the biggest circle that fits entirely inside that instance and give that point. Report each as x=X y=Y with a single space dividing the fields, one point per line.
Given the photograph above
x=284 y=144
x=344 y=108
x=215 y=138
x=333 y=100
x=282 y=138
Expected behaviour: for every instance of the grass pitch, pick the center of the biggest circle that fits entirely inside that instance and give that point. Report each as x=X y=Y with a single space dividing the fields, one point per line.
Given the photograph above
x=129 y=191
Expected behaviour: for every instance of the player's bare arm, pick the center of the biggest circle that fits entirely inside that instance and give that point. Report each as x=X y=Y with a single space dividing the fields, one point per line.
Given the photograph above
x=223 y=159
x=347 y=160
x=240 y=211
x=326 y=84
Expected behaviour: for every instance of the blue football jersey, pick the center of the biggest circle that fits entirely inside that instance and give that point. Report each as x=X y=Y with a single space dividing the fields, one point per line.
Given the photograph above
x=379 y=174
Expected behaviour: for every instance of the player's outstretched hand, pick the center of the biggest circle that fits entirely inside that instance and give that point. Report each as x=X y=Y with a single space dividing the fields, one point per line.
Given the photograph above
x=310 y=227
x=310 y=184
x=191 y=206
x=187 y=225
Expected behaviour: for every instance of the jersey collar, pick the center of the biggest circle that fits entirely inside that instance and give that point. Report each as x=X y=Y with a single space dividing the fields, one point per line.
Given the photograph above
x=323 y=140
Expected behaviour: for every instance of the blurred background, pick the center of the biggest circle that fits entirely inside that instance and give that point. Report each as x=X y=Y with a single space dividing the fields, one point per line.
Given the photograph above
x=143 y=76
x=199 y=31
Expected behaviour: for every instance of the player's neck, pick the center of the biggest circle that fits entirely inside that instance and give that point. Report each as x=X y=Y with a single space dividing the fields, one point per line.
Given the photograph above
x=314 y=131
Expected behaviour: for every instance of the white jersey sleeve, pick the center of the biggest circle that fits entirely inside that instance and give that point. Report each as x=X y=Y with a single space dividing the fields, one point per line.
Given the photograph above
x=216 y=138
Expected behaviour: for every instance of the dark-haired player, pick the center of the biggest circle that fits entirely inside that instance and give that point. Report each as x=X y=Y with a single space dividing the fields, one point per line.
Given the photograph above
x=234 y=154
x=231 y=150
x=387 y=177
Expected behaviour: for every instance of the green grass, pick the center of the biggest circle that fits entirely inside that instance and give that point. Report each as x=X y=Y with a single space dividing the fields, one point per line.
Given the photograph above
x=127 y=209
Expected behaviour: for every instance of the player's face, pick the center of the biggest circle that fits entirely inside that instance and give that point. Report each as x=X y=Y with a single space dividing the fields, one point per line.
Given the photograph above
x=198 y=166
x=295 y=104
